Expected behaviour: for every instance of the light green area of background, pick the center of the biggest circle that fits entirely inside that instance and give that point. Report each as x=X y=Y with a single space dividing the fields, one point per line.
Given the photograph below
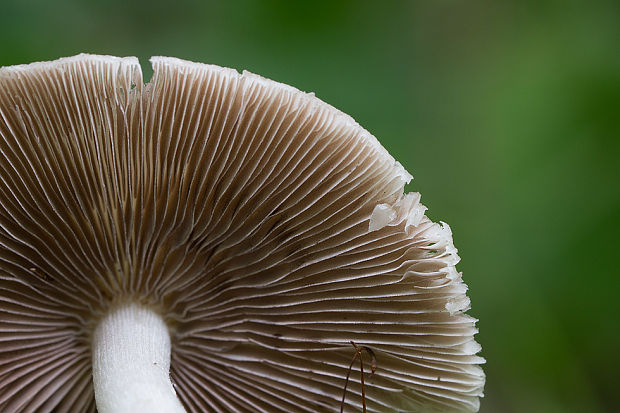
x=506 y=113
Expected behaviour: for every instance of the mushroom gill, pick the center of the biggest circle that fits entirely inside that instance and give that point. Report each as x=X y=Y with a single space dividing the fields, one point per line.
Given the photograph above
x=253 y=228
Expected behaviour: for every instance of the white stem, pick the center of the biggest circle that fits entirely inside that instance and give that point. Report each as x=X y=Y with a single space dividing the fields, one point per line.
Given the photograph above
x=131 y=363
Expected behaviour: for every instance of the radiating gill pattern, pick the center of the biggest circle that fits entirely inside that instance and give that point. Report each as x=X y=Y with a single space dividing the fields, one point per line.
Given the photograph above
x=267 y=227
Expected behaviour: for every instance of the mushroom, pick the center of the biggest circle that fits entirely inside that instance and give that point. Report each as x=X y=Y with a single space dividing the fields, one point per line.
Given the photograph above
x=214 y=241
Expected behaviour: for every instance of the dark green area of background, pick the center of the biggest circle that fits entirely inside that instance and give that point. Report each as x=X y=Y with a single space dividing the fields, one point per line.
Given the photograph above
x=507 y=114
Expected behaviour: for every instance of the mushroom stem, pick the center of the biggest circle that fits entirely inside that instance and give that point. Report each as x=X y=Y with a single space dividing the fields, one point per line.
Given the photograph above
x=131 y=363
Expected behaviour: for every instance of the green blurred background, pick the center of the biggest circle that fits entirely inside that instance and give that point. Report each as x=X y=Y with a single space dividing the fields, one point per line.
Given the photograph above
x=507 y=114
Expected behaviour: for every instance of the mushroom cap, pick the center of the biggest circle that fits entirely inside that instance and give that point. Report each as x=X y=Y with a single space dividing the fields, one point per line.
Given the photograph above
x=266 y=227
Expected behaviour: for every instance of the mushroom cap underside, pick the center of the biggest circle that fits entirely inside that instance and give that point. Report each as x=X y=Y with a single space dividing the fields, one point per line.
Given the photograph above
x=268 y=228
